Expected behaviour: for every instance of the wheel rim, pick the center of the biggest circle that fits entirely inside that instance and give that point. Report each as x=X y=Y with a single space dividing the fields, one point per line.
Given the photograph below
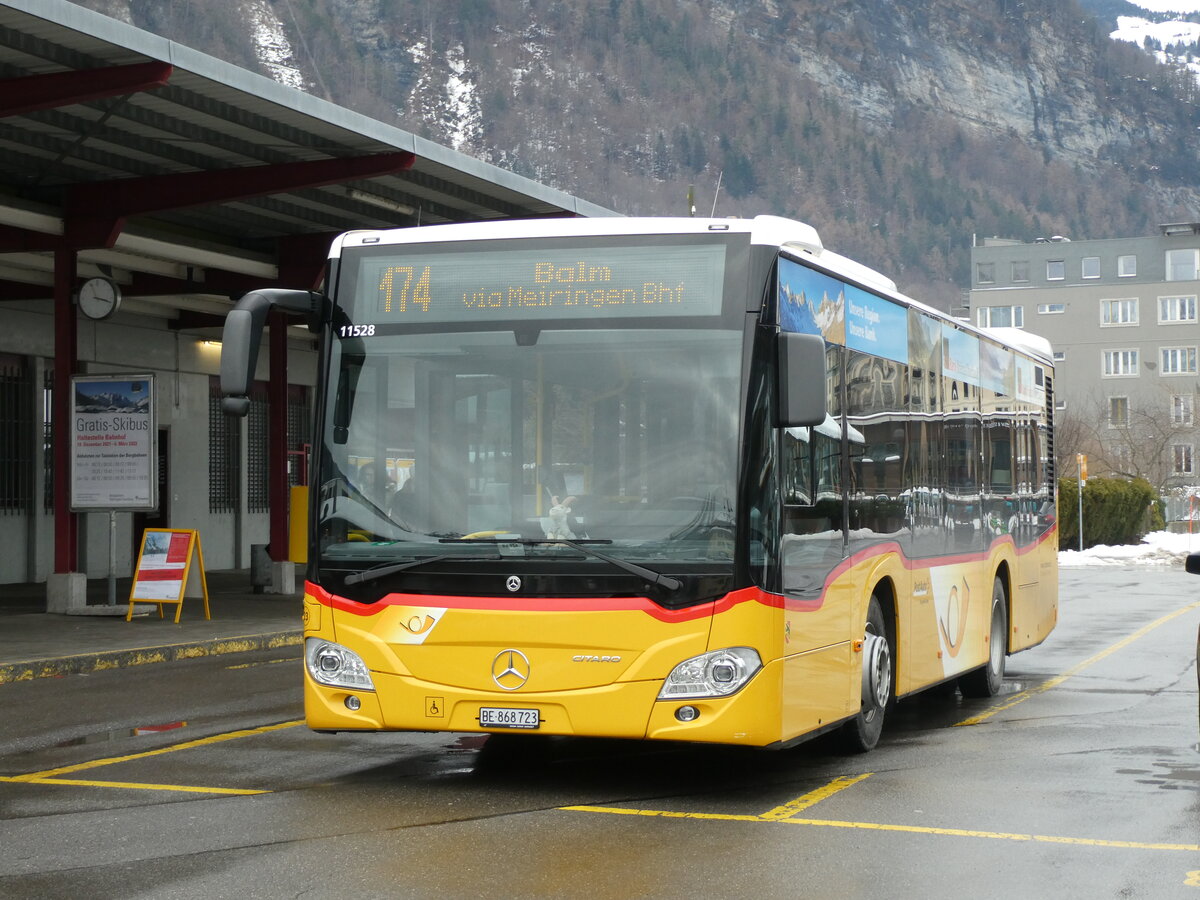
x=877 y=674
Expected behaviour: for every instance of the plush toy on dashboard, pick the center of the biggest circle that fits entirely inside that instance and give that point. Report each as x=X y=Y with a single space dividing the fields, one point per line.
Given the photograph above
x=555 y=524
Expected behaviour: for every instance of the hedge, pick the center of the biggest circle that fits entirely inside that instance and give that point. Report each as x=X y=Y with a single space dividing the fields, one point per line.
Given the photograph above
x=1115 y=512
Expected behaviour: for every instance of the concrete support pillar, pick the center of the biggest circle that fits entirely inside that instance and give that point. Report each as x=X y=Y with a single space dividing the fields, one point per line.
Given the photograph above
x=66 y=588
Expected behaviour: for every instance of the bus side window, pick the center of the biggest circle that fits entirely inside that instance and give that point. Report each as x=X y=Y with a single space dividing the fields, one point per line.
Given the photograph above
x=798 y=466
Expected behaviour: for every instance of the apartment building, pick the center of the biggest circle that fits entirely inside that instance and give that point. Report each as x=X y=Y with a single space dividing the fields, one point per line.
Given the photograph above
x=1121 y=315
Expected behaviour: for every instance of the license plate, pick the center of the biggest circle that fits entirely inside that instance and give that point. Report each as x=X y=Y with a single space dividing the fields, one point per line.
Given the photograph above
x=504 y=717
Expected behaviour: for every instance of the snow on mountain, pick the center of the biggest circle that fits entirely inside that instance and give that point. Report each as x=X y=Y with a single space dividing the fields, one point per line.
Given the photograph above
x=1182 y=7
x=271 y=45
x=1164 y=40
x=1162 y=34
x=1137 y=30
x=447 y=95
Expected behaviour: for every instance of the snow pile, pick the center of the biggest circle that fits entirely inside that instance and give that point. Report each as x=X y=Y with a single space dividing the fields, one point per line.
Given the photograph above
x=1161 y=548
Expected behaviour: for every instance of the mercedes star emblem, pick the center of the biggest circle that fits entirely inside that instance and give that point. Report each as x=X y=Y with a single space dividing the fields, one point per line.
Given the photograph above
x=513 y=583
x=510 y=669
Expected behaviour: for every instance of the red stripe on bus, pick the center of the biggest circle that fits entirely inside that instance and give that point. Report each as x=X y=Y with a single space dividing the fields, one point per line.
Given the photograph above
x=649 y=607
x=540 y=604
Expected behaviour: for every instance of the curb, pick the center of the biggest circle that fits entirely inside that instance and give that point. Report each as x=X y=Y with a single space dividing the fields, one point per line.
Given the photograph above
x=116 y=659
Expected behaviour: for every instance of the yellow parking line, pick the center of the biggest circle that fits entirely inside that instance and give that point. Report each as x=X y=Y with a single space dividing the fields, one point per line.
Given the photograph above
x=133 y=785
x=995 y=835
x=265 y=662
x=1076 y=669
x=786 y=814
x=812 y=798
x=773 y=815
x=664 y=813
x=186 y=745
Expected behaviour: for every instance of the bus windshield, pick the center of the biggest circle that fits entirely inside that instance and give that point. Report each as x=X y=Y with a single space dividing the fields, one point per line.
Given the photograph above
x=469 y=443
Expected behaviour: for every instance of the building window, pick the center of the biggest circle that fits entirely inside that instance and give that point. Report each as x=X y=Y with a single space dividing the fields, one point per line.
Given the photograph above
x=223 y=456
x=1001 y=316
x=986 y=272
x=1182 y=454
x=1118 y=412
x=1182 y=410
x=1020 y=271
x=16 y=434
x=258 y=424
x=1056 y=269
x=1182 y=264
x=1119 y=312
x=298 y=434
x=1179 y=360
x=1172 y=310
x=1051 y=309
x=1120 y=363
x=1126 y=266
x=1090 y=267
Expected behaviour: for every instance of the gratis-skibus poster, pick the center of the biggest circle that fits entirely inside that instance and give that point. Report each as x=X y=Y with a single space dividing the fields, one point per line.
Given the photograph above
x=112 y=433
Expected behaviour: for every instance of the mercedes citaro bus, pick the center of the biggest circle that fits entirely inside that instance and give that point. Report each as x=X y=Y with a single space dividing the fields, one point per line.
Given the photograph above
x=681 y=479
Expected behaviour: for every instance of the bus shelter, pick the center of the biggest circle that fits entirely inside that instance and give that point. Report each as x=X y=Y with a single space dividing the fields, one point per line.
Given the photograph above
x=144 y=187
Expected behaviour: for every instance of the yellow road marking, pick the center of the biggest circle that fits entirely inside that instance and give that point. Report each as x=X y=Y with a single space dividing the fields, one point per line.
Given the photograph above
x=777 y=814
x=133 y=785
x=787 y=812
x=908 y=829
x=664 y=813
x=995 y=835
x=1076 y=669
x=265 y=662
x=812 y=798
x=186 y=745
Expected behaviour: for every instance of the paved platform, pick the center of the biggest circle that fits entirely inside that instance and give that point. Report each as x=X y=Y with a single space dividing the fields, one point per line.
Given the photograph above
x=36 y=644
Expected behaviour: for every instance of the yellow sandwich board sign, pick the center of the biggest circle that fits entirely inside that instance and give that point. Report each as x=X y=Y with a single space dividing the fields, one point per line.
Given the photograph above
x=165 y=572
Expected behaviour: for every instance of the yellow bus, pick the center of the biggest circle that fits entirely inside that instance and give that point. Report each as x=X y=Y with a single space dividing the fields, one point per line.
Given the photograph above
x=671 y=479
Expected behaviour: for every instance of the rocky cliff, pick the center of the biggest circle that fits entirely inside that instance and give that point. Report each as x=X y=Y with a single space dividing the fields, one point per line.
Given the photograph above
x=899 y=129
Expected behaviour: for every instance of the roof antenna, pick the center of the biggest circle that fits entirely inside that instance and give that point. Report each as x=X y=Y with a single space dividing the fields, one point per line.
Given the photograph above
x=720 y=175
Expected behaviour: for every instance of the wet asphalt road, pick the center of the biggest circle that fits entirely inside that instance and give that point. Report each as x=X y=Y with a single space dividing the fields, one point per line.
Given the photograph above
x=194 y=779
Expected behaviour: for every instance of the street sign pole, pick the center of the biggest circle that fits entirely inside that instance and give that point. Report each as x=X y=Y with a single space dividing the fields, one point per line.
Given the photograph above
x=1081 y=458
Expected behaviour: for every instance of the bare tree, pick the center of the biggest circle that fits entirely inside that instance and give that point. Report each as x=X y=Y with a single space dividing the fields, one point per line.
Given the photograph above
x=1133 y=437
x=1073 y=434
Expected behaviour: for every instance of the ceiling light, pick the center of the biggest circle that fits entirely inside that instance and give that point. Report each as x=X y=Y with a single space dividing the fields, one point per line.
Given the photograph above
x=381 y=202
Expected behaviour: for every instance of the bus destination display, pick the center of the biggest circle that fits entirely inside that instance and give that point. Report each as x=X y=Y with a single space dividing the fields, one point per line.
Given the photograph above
x=520 y=284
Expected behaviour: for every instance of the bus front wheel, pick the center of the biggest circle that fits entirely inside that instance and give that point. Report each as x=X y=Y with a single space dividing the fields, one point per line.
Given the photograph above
x=862 y=732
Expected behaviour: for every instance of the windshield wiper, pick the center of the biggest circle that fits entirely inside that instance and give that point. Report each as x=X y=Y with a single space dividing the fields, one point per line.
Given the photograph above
x=663 y=581
x=392 y=568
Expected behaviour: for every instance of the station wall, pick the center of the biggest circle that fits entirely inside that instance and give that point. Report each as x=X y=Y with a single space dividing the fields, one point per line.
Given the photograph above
x=183 y=366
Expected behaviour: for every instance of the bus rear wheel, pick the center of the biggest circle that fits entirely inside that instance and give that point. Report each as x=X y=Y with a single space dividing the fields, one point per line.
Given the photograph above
x=986 y=682
x=862 y=732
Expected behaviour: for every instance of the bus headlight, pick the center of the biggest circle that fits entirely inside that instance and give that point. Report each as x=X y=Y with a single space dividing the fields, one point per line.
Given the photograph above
x=717 y=673
x=334 y=665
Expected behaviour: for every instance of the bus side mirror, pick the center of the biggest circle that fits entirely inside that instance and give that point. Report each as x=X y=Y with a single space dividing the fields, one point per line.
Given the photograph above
x=801 y=380
x=1192 y=564
x=242 y=334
